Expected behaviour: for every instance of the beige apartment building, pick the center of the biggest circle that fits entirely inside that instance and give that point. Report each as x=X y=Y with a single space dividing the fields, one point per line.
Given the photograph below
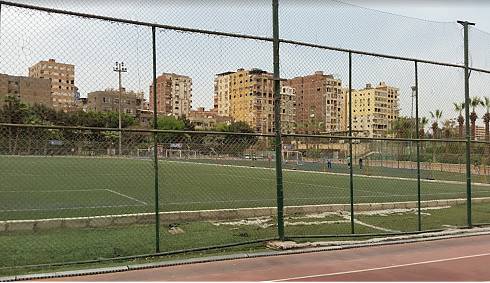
x=373 y=109
x=62 y=77
x=174 y=95
x=108 y=100
x=318 y=103
x=248 y=96
x=222 y=93
x=29 y=90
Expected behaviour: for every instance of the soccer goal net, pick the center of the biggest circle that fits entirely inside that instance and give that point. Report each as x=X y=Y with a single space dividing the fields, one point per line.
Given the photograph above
x=291 y=156
x=180 y=154
x=144 y=153
x=169 y=153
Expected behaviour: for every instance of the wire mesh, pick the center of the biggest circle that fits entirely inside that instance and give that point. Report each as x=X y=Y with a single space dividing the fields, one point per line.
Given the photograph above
x=84 y=174
x=316 y=186
x=68 y=195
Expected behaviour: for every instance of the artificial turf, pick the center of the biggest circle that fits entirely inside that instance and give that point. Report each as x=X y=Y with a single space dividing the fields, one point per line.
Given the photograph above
x=54 y=187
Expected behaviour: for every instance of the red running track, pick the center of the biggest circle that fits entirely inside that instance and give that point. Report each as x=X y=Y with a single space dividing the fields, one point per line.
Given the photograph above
x=460 y=259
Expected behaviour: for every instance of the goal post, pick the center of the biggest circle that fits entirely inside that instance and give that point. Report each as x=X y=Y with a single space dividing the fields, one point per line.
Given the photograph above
x=180 y=154
x=292 y=156
x=168 y=153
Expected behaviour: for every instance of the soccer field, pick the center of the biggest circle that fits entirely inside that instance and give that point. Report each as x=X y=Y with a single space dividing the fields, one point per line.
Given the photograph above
x=52 y=187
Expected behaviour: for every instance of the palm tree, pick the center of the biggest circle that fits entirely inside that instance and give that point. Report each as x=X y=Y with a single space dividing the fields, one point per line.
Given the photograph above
x=474 y=103
x=422 y=123
x=486 y=117
x=448 y=128
x=436 y=116
x=459 y=107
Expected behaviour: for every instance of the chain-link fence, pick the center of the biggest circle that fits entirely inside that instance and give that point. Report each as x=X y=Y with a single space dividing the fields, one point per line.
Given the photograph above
x=124 y=139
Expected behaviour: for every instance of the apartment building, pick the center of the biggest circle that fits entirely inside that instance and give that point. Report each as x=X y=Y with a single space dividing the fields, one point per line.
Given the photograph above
x=318 y=103
x=108 y=100
x=29 y=90
x=174 y=95
x=207 y=119
x=248 y=96
x=62 y=77
x=222 y=86
x=373 y=109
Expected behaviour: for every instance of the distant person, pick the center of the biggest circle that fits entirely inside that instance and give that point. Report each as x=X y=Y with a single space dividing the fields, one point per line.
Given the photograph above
x=360 y=163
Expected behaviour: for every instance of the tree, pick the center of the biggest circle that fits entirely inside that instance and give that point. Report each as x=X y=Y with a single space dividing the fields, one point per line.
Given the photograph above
x=448 y=128
x=486 y=117
x=436 y=116
x=403 y=127
x=459 y=107
x=236 y=144
x=169 y=123
x=422 y=123
x=474 y=103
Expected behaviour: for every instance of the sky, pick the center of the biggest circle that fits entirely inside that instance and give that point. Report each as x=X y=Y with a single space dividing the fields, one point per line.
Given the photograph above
x=93 y=46
x=475 y=11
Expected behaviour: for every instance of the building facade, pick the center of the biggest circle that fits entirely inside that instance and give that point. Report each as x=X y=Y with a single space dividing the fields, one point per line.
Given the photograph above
x=174 y=95
x=29 y=90
x=108 y=100
x=373 y=109
x=248 y=96
x=479 y=133
x=318 y=103
x=207 y=119
x=222 y=86
x=62 y=77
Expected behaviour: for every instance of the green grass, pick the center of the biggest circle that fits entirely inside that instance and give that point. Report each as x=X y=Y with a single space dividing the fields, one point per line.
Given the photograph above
x=52 y=187
x=63 y=245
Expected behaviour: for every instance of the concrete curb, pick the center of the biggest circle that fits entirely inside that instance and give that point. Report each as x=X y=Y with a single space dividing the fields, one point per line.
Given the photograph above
x=211 y=215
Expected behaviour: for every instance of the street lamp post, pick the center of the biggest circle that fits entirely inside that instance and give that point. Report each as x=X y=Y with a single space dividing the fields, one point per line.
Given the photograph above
x=120 y=68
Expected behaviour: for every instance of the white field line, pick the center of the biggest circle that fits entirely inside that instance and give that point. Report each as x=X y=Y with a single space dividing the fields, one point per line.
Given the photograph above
x=70 y=208
x=53 y=191
x=249 y=167
x=126 y=196
x=140 y=202
x=382 y=268
x=328 y=173
x=330 y=186
x=347 y=218
x=373 y=226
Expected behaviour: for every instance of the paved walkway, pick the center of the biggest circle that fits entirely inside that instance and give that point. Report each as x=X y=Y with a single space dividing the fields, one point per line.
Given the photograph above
x=466 y=258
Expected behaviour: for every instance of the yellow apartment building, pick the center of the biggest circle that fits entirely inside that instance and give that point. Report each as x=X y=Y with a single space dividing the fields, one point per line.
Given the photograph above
x=373 y=109
x=248 y=96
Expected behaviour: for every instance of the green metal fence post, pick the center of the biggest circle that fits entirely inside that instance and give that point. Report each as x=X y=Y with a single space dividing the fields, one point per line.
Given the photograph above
x=277 y=119
x=351 y=160
x=417 y=135
x=467 y=121
x=155 y=144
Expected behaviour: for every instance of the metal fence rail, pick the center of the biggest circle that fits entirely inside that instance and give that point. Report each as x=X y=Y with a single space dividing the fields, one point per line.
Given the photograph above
x=80 y=187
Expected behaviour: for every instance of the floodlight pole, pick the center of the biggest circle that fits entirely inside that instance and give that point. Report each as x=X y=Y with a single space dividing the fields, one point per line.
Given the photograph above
x=119 y=68
x=466 y=25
